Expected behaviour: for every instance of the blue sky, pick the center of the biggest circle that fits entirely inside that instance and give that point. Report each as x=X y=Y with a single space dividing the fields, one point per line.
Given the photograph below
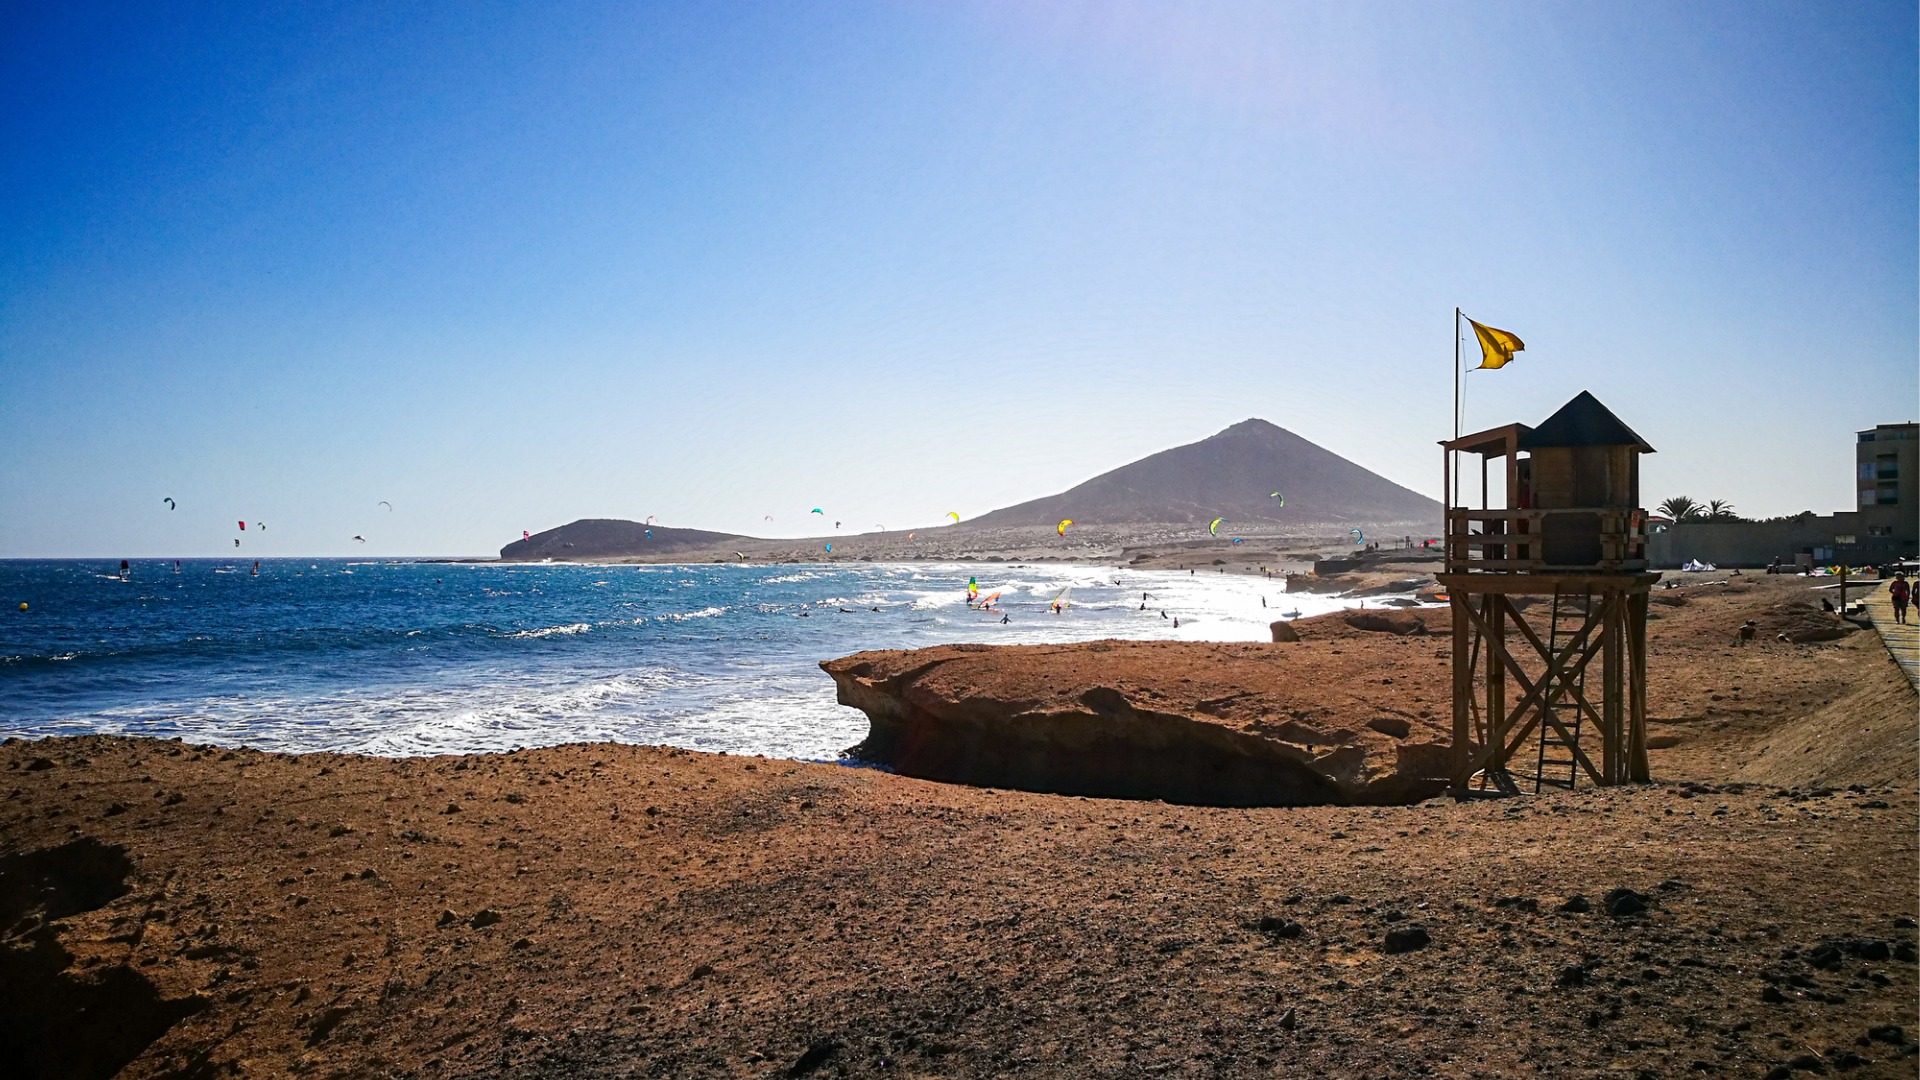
x=509 y=265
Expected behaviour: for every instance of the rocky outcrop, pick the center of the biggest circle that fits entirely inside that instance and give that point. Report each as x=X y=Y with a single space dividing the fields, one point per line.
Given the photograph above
x=1195 y=723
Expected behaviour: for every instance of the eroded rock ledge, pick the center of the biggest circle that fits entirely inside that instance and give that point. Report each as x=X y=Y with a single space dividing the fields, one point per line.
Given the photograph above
x=1319 y=721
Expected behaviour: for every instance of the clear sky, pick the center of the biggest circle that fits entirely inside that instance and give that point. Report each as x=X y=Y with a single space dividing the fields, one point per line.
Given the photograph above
x=507 y=265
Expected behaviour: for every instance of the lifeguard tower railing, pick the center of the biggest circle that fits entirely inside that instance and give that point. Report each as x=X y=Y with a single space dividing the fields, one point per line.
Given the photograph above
x=1605 y=540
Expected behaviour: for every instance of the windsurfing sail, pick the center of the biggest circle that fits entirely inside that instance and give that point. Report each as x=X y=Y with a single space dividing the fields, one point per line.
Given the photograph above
x=525 y=535
x=829 y=549
x=911 y=535
x=1063 y=601
x=1062 y=527
x=973 y=588
x=1213 y=527
x=649 y=534
x=987 y=601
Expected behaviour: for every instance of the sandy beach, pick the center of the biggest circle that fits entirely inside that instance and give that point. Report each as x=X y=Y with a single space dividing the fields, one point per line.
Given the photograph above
x=607 y=910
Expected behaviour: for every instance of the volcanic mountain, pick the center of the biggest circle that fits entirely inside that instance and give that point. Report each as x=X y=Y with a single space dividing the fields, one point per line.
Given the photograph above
x=608 y=538
x=1233 y=474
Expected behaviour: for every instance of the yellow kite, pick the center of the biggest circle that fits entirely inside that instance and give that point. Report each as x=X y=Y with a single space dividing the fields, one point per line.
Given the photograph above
x=1496 y=346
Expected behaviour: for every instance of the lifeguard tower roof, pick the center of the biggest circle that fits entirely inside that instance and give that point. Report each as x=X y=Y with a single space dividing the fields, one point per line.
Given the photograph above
x=1582 y=422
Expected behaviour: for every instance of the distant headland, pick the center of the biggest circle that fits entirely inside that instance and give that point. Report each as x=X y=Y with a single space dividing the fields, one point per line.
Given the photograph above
x=1267 y=484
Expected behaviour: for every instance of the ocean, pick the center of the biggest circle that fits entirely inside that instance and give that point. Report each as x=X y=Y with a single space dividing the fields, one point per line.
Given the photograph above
x=407 y=658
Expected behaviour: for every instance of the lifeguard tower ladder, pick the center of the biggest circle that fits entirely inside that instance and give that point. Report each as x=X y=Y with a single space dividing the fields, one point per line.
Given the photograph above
x=1573 y=535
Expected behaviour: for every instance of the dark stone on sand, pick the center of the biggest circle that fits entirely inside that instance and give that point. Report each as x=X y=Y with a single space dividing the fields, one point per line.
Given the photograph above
x=483 y=918
x=1278 y=927
x=1808 y=1063
x=1905 y=922
x=1402 y=939
x=1827 y=956
x=1892 y=1034
x=1575 y=905
x=1622 y=902
x=447 y=918
x=1905 y=951
x=39 y=764
x=1869 y=948
x=1289 y=1020
x=814 y=1057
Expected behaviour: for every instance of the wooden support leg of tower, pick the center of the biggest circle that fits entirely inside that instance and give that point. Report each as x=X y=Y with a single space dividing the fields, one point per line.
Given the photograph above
x=1463 y=768
x=1612 y=706
x=1637 y=769
x=1495 y=627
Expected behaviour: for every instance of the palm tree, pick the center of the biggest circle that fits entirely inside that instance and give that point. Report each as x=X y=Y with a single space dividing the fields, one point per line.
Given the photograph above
x=1681 y=508
x=1721 y=510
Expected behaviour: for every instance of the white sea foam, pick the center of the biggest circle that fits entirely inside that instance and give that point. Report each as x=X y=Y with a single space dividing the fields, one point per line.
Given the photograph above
x=550 y=631
x=703 y=613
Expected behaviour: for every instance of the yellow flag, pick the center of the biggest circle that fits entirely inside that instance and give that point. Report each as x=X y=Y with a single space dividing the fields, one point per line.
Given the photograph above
x=1496 y=346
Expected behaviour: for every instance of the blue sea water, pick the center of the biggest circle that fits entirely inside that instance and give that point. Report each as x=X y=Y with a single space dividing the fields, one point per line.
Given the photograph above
x=422 y=658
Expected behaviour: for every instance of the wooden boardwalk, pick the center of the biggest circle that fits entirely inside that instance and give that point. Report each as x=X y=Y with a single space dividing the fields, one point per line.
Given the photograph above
x=1903 y=640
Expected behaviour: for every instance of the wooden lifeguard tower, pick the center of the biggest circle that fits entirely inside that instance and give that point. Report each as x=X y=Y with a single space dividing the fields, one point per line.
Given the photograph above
x=1571 y=536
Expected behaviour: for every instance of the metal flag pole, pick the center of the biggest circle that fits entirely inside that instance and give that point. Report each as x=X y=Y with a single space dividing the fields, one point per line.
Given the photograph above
x=1452 y=463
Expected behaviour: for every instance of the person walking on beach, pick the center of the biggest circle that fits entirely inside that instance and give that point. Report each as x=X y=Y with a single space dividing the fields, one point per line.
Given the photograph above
x=1902 y=594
